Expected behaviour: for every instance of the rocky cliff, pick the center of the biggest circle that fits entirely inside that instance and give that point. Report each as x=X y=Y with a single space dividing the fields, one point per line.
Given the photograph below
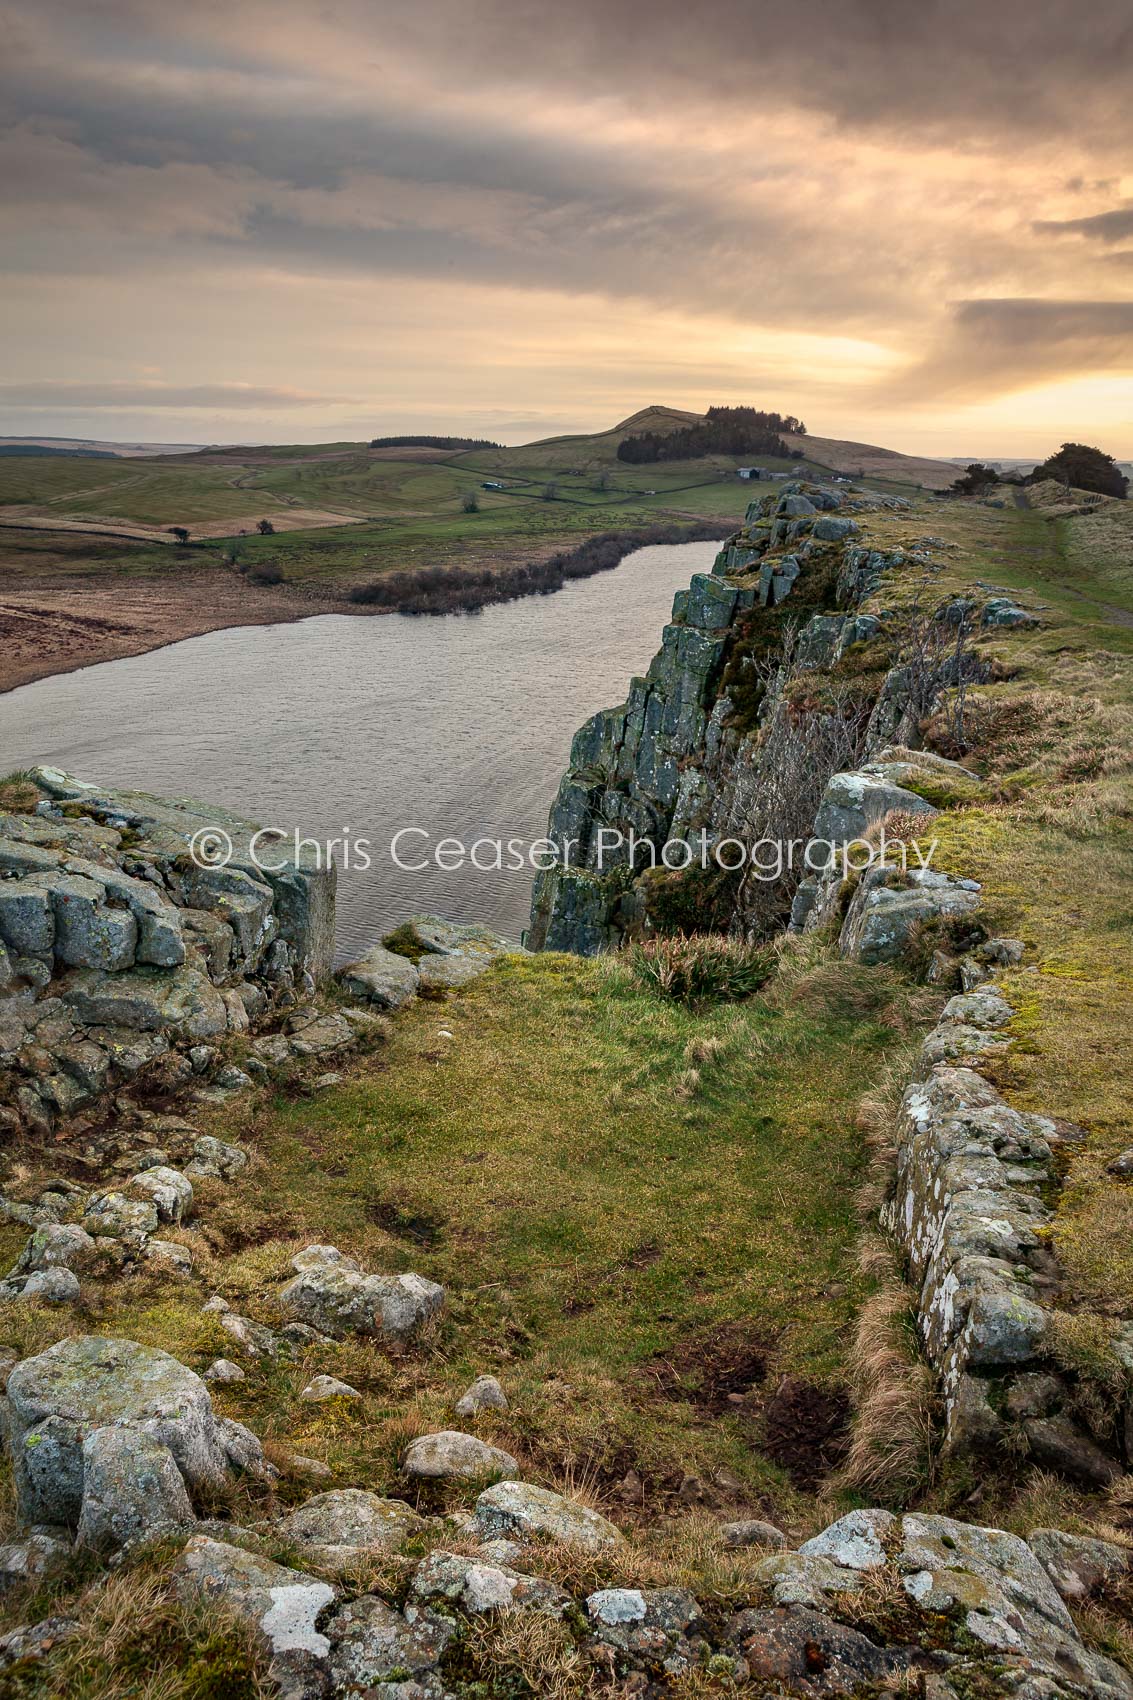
x=122 y=952
x=777 y=669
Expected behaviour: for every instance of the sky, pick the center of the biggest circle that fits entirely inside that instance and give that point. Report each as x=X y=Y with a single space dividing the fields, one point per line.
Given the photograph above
x=908 y=222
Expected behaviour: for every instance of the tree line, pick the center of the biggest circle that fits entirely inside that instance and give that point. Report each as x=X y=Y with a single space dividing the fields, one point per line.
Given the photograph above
x=433 y=443
x=723 y=431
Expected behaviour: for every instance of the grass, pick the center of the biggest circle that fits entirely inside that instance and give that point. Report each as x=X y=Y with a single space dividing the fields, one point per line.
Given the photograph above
x=616 y=1192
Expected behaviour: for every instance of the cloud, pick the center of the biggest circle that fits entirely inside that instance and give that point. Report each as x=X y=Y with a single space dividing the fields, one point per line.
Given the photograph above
x=1113 y=226
x=223 y=175
x=52 y=396
x=997 y=347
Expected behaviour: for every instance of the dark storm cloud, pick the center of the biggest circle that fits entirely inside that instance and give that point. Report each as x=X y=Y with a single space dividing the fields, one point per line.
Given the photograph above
x=992 y=346
x=1112 y=226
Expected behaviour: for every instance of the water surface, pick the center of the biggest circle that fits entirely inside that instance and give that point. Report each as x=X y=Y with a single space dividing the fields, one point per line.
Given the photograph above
x=457 y=725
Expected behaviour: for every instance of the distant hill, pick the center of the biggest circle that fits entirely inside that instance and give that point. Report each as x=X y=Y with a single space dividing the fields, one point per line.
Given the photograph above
x=93 y=445
x=589 y=450
x=870 y=461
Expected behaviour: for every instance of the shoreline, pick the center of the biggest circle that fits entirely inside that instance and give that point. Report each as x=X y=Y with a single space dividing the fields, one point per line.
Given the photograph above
x=53 y=626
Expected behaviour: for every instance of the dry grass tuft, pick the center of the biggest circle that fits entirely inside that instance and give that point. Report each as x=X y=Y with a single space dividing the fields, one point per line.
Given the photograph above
x=890 y=1454
x=527 y=1653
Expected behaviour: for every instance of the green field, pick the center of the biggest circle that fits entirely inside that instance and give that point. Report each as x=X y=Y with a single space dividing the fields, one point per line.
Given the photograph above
x=342 y=512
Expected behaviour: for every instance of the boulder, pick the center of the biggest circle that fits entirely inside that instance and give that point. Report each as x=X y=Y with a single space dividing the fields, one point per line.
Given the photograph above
x=170 y=1192
x=56 y=1244
x=30 y=1643
x=224 y=1371
x=215 y=1159
x=59 y=1397
x=485 y=1394
x=889 y=906
x=283 y=1606
x=373 y=1644
x=853 y=801
x=89 y=934
x=647 y=1625
x=800 y=1651
x=182 y=1000
x=751 y=1532
x=519 y=1509
x=856 y=1541
x=325 y=1387
x=381 y=977
x=1080 y=1566
x=330 y=1292
x=52 y=1286
x=450 y=1454
x=1058 y=1444
x=448 y=973
x=111 y=1215
x=170 y=1255
x=806 y=1579
x=476 y=1587
x=38 y=1553
x=132 y=1490
x=334 y=1530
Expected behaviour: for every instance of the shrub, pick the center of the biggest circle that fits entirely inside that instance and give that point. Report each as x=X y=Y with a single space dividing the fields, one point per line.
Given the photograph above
x=266 y=573
x=470 y=503
x=19 y=793
x=702 y=968
x=690 y=900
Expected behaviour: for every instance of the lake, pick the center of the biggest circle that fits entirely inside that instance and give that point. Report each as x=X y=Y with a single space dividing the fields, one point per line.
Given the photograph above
x=456 y=726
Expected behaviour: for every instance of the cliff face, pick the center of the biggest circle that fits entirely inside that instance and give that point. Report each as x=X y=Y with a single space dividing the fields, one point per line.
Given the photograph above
x=120 y=951
x=703 y=740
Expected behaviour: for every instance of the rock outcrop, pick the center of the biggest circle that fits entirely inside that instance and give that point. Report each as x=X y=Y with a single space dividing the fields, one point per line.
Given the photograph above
x=120 y=952
x=700 y=735
x=114 y=1439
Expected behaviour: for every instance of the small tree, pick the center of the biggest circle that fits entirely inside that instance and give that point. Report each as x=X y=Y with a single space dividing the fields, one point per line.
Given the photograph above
x=550 y=492
x=976 y=479
x=470 y=502
x=180 y=532
x=266 y=528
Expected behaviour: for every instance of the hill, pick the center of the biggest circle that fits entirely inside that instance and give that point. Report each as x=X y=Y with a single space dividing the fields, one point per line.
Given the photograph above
x=866 y=460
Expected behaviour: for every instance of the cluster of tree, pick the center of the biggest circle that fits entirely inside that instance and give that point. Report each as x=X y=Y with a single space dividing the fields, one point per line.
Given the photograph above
x=433 y=443
x=723 y=431
x=1075 y=465
x=1085 y=469
x=450 y=590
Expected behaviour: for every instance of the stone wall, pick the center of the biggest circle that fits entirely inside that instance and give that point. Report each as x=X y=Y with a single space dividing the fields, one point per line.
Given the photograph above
x=118 y=953
x=970 y=1210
